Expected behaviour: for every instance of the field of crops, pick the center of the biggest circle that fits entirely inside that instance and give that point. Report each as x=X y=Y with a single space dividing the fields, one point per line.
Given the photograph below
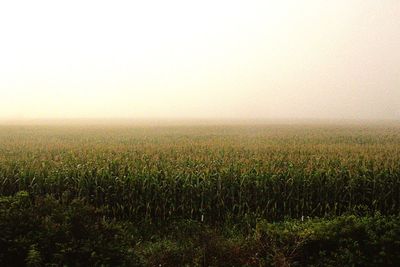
x=206 y=175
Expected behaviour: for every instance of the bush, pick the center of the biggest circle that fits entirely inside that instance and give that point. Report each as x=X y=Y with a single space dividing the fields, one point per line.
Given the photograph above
x=341 y=241
x=46 y=230
x=43 y=231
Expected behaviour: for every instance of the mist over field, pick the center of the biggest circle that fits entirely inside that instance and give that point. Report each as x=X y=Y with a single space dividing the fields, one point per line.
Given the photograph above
x=204 y=60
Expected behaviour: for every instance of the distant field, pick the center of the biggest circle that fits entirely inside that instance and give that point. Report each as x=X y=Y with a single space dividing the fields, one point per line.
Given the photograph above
x=213 y=175
x=157 y=172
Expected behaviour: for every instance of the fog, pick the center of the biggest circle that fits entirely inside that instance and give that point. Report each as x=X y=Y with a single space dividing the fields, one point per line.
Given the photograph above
x=251 y=60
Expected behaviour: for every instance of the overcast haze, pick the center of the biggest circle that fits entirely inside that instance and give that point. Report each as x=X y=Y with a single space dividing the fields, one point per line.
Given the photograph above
x=200 y=59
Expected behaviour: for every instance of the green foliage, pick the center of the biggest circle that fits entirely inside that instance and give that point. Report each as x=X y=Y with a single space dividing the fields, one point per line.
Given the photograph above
x=208 y=172
x=46 y=232
x=73 y=234
x=315 y=195
x=166 y=253
x=339 y=241
x=33 y=259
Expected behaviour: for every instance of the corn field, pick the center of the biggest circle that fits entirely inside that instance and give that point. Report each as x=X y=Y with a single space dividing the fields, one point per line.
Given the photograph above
x=208 y=173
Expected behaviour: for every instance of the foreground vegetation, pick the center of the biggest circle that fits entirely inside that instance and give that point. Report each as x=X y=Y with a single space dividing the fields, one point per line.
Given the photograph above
x=276 y=195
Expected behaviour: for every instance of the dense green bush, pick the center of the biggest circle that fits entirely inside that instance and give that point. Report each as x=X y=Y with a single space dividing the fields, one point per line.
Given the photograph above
x=42 y=231
x=340 y=241
x=37 y=231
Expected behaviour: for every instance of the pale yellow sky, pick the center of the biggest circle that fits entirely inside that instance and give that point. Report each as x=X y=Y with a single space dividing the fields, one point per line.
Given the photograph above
x=200 y=59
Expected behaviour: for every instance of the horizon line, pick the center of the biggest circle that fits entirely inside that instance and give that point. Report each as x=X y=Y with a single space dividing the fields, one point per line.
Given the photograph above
x=190 y=120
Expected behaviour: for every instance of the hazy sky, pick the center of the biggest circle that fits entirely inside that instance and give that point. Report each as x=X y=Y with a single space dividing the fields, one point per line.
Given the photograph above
x=203 y=59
